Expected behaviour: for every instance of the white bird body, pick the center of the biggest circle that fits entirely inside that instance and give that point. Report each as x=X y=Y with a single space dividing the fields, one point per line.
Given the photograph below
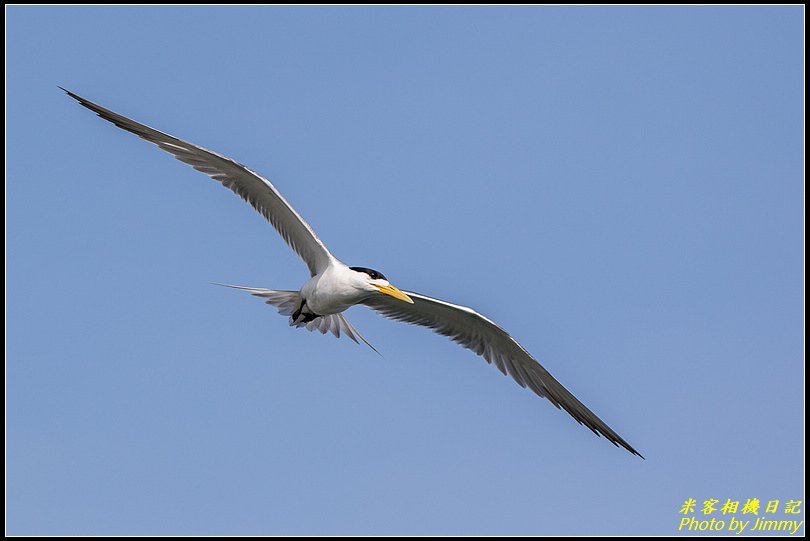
x=334 y=287
x=334 y=290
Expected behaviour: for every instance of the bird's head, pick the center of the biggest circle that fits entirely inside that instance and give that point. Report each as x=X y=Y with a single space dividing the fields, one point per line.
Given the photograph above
x=374 y=281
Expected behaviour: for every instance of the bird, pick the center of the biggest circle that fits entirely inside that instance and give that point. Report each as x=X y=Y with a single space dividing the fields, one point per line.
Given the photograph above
x=334 y=286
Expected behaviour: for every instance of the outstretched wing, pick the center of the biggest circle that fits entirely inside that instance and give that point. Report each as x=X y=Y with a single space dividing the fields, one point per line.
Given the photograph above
x=250 y=186
x=477 y=333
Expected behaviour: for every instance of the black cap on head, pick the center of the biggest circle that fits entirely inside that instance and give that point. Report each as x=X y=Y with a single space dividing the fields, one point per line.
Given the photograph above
x=371 y=272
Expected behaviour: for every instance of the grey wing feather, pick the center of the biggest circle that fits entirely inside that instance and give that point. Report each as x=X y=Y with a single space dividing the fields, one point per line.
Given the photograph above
x=482 y=336
x=250 y=186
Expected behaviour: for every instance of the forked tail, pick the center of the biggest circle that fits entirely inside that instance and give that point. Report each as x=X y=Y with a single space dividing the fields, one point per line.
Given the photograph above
x=288 y=302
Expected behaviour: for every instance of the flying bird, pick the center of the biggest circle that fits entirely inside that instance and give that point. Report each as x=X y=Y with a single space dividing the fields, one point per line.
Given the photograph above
x=334 y=286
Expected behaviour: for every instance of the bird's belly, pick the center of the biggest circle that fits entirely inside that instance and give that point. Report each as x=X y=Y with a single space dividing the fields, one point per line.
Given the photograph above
x=324 y=304
x=326 y=297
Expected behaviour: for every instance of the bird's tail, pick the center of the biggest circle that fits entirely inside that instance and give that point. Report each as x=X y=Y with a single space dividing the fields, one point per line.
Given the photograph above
x=288 y=302
x=285 y=301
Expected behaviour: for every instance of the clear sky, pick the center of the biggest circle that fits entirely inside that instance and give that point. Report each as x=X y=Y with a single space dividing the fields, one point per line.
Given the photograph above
x=622 y=189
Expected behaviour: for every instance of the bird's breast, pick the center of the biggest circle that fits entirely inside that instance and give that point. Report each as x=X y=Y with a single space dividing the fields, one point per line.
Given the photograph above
x=330 y=293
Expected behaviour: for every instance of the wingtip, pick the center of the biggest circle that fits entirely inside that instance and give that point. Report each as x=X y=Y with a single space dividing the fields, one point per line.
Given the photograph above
x=629 y=448
x=68 y=92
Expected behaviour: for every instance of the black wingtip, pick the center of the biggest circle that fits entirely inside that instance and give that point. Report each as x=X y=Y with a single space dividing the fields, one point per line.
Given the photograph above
x=633 y=451
x=623 y=444
x=629 y=448
x=76 y=97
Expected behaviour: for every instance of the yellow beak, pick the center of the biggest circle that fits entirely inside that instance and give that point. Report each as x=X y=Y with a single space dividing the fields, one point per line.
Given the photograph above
x=394 y=292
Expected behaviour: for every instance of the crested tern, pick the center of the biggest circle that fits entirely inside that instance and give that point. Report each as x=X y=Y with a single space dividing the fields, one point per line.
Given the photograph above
x=334 y=286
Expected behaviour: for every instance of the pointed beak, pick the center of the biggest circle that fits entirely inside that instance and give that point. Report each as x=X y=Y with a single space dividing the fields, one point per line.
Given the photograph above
x=394 y=292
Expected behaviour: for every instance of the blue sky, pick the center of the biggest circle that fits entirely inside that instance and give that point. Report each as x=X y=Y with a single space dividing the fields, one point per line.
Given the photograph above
x=621 y=188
